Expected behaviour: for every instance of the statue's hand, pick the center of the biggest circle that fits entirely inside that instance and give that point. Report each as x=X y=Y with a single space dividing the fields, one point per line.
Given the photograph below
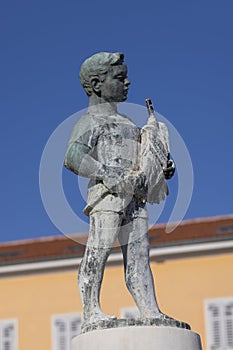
x=113 y=178
x=169 y=170
x=135 y=184
x=119 y=180
x=141 y=186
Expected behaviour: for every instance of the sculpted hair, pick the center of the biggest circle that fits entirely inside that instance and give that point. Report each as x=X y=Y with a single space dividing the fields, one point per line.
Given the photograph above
x=97 y=66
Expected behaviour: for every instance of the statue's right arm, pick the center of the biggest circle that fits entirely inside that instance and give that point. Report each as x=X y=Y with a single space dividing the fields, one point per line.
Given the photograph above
x=79 y=160
x=79 y=156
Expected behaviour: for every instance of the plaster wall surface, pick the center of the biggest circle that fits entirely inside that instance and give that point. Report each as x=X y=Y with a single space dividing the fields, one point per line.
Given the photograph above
x=182 y=285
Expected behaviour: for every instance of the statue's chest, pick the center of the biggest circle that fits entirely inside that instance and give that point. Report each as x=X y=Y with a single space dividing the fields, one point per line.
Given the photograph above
x=118 y=133
x=118 y=143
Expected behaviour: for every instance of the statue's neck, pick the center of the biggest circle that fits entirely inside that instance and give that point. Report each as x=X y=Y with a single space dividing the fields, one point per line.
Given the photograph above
x=99 y=106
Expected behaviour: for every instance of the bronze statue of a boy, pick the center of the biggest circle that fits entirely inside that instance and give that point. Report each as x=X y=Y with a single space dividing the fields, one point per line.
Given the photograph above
x=105 y=147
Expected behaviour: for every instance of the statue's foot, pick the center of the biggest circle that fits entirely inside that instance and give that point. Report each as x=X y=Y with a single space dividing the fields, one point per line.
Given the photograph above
x=100 y=316
x=158 y=318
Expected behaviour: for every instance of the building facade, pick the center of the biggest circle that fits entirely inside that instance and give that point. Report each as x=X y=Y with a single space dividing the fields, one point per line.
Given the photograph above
x=40 y=306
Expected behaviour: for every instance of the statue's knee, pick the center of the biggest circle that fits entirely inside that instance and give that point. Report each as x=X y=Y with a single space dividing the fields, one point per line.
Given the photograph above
x=144 y=260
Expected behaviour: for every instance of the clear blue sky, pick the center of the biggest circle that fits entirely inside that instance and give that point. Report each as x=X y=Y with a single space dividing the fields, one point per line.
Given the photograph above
x=179 y=53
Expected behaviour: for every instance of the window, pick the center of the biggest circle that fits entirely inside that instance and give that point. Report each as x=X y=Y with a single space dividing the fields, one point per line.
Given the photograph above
x=64 y=328
x=130 y=312
x=219 y=323
x=8 y=335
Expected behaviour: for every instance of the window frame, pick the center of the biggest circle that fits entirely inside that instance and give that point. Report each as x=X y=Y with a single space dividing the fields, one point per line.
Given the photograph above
x=219 y=321
x=13 y=323
x=67 y=318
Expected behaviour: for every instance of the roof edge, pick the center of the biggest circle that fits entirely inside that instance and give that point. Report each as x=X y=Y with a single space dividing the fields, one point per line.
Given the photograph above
x=156 y=254
x=61 y=236
x=196 y=220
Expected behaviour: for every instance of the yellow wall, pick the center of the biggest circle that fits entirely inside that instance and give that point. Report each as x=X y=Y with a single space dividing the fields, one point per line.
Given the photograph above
x=32 y=300
x=182 y=286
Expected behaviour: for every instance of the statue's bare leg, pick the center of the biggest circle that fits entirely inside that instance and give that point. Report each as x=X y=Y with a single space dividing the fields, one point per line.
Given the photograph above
x=104 y=228
x=138 y=276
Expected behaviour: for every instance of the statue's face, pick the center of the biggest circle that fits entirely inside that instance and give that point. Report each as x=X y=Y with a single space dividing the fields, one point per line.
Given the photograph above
x=116 y=84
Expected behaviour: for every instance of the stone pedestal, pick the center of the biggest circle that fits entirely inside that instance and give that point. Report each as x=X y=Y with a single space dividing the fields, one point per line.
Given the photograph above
x=138 y=338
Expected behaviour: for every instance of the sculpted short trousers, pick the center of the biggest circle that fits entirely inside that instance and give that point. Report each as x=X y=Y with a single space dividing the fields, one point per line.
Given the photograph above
x=128 y=206
x=130 y=225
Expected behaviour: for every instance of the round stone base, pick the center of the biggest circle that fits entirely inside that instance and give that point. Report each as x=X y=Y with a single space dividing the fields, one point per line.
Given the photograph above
x=164 y=320
x=138 y=338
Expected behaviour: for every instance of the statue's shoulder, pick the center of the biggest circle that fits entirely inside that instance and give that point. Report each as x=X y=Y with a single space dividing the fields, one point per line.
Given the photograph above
x=127 y=119
x=83 y=124
x=84 y=129
x=85 y=120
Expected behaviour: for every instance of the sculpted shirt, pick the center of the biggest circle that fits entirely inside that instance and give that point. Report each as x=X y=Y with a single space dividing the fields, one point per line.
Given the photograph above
x=112 y=141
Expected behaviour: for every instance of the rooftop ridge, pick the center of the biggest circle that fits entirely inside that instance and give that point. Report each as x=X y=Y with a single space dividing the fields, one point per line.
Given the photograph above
x=61 y=236
x=195 y=220
x=204 y=232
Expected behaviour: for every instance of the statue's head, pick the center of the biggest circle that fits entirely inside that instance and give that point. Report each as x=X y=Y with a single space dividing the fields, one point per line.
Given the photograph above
x=105 y=75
